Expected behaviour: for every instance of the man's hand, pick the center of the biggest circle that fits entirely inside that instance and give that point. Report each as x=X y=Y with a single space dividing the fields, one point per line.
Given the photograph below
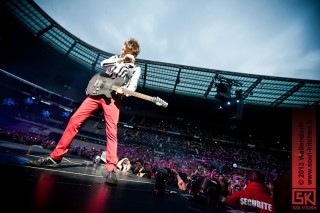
x=119 y=92
x=127 y=58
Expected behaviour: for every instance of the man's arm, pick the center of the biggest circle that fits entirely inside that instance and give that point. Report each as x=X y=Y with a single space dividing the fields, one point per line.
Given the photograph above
x=109 y=61
x=133 y=83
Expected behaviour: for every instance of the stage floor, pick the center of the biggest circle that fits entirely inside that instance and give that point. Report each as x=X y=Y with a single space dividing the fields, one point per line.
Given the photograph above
x=78 y=186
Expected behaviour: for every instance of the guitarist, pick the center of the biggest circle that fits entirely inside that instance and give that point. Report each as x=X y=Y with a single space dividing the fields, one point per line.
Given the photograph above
x=116 y=67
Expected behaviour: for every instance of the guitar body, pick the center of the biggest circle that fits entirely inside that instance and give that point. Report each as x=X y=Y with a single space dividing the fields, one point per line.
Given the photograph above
x=100 y=84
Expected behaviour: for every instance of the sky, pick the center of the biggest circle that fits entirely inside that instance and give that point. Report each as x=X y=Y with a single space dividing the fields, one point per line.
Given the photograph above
x=265 y=37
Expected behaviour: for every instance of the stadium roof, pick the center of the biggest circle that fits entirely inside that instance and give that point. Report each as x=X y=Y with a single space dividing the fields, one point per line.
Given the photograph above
x=172 y=79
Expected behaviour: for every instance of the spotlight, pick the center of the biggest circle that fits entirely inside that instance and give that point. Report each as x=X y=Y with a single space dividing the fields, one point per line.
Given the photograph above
x=29 y=100
x=65 y=114
x=46 y=113
x=9 y=102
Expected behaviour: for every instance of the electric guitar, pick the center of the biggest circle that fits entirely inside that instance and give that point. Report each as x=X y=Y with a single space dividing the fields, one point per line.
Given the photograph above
x=100 y=84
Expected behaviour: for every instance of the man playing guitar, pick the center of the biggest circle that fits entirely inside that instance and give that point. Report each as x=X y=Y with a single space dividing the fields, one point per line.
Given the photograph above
x=127 y=74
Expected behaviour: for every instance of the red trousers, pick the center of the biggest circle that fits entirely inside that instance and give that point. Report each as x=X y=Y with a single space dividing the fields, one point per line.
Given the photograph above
x=111 y=109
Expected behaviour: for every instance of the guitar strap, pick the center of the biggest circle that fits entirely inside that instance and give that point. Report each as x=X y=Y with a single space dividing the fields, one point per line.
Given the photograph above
x=130 y=71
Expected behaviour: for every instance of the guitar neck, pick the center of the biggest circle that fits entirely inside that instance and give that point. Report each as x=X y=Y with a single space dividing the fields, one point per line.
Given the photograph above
x=132 y=93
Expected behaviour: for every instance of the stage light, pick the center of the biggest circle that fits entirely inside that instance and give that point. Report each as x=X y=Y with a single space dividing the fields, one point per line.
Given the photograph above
x=45 y=113
x=65 y=114
x=9 y=102
x=29 y=100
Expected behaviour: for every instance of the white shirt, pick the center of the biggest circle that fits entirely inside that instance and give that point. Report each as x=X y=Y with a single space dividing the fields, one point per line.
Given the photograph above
x=111 y=65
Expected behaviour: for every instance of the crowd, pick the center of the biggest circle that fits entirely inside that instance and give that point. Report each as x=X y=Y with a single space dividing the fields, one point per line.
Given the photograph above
x=194 y=167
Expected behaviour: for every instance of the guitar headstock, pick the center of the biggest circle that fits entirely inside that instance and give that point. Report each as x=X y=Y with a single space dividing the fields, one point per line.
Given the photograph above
x=158 y=101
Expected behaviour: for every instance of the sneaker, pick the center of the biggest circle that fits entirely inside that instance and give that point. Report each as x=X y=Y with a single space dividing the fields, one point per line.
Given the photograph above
x=46 y=161
x=111 y=177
